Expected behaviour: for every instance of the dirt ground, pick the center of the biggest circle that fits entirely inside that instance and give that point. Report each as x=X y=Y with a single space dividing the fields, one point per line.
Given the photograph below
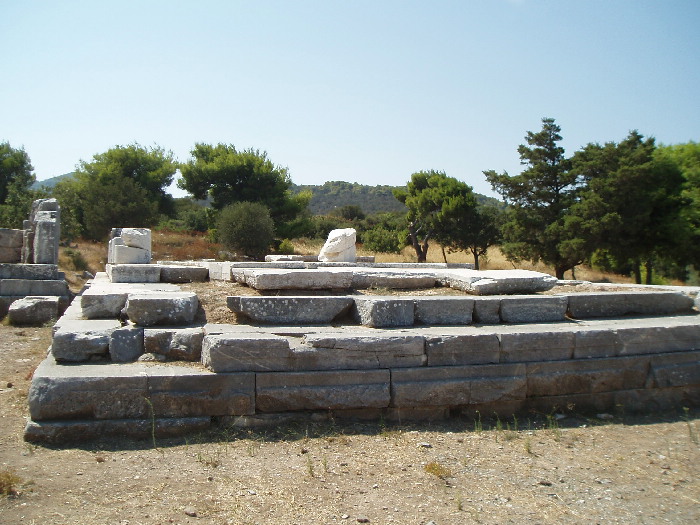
x=539 y=468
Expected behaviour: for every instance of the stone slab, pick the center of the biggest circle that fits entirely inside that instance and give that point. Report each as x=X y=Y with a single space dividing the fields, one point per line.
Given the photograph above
x=444 y=310
x=129 y=255
x=676 y=370
x=462 y=349
x=616 y=304
x=10 y=255
x=290 y=309
x=43 y=272
x=331 y=390
x=133 y=273
x=498 y=282
x=383 y=311
x=278 y=279
x=167 y=308
x=183 y=274
x=530 y=344
x=175 y=343
x=658 y=336
x=487 y=310
x=398 y=278
x=81 y=340
x=246 y=352
x=11 y=238
x=456 y=386
x=533 y=309
x=33 y=287
x=126 y=344
x=33 y=310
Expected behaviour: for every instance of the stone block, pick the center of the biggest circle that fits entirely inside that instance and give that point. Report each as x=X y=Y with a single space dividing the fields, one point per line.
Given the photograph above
x=340 y=246
x=133 y=273
x=592 y=342
x=10 y=255
x=339 y=351
x=129 y=255
x=617 y=304
x=42 y=272
x=331 y=390
x=47 y=233
x=278 y=279
x=444 y=310
x=34 y=310
x=184 y=391
x=676 y=370
x=103 y=303
x=176 y=343
x=663 y=336
x=462 y=349
x=586 y=376
x=487 y=310
x=532 y=345
x=11 y=238
x=81 y=340
x=498 y=282
x=169 y=308
x=393 y=278
x=26 y=287
x=246 y=352
x=126 y=344
x=455 y=386
x=183 y=274
x=290 y=309
x=136 y=238
x=383 y=311
x=533 y=309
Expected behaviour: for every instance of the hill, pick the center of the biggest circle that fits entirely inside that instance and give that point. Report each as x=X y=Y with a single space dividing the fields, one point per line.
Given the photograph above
x=47 y=184
x=372 y=199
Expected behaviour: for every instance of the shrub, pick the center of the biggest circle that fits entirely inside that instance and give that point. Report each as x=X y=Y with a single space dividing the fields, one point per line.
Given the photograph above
x=382 y=240
x=286 y=247
x=247 y=228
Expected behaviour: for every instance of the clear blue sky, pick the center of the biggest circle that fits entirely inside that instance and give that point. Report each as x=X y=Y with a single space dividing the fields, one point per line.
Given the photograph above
x=365 y=91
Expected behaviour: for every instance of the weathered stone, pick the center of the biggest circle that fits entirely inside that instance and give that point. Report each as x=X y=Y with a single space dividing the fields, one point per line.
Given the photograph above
x=533 y=309
x=615 y=304
x=332 y=390
x=175 y=343
x=592 y=342
x=487 y=310
x=81 y=340
x=26 y=287
x=462 y=349
x=11 y=238
x=43 y=272
x=174 y=308
x=530 y=345
x=133 y=273
x=136 y=238
x=676 y=370
x=444 y=310
x=122 y=254
x=393 y=278
x=99 y=303
x=498 y=282
x=246 y=352
x=328 y=351
x=290 y=309
x=47 y=234
x=383 y=311
x=278 y=279
x=126 y=344
x=666 y=336
x=183 y=274
x=340 y=246
x=455 y=386
x=586 y=376
x=10 y=255
x=33 y=310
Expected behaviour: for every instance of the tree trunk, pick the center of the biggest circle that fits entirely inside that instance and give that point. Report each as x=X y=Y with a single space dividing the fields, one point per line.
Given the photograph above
x=421 y=251
x=637 y=272
x=475 y=253
x=573 y=273
x=559 y=271
x=444 y=255
x=650 y=267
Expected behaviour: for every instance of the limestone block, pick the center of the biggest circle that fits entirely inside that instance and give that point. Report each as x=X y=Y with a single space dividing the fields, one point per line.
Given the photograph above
x=26 y=287
x=62 y=432
x=498 y=282
x=10 y=255
x=533 y=309
x=219 y=271
x=393 y=278
x=183 y=274
x=444 y=310
x=290 y=309
x=173 y=308
x=665 y=336
x=455 y=386
x=101 y=303
x=329 y=351
x=33 y=310
x=280 y=279
x=81 y=340
x=462 y=349
x=10 y=238
x=340 y=246
x=136 y=238
x=126 y=344
x=122 y=254
x=175 y=343
x=592 y=342
x=383 y=311
x=246 y=352
x=487 y=310
x=47 y=234
x=185 y=391
x=43 y=272
x=531 y=345
x=615 y=304
x=676 y=370
x=89 y=391
x=586 y=376
x=331 y=390
x=133 y=273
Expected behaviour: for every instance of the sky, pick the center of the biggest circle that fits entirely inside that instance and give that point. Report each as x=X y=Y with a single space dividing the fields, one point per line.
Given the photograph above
x=366 y=91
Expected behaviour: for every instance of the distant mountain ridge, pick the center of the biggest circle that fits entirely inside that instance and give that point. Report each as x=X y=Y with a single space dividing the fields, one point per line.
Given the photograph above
x=50 y=183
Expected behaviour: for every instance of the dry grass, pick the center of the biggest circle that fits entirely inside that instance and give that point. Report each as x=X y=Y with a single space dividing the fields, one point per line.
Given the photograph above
x=9 y=482
x=178 y=246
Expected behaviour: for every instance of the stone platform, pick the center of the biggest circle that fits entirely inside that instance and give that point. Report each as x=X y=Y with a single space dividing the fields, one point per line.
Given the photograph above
x=399 y=358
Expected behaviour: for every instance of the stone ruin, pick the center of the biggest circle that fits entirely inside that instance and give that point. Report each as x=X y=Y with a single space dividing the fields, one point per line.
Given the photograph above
x=32 y=290
x=129 y=357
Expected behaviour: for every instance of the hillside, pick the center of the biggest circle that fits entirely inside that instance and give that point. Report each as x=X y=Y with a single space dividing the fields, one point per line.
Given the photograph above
x=372 y=199
x=47 y=184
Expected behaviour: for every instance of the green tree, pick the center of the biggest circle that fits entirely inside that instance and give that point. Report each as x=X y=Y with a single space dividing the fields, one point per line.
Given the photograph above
x=246 y=227
x=124 y=186
x=433 y=199
x=475 y=232
x=16 y=178
x=227 y=175
x=536 y=226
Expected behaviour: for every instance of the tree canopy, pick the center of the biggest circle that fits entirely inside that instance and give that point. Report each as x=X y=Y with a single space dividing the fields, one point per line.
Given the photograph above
x=16 y=178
